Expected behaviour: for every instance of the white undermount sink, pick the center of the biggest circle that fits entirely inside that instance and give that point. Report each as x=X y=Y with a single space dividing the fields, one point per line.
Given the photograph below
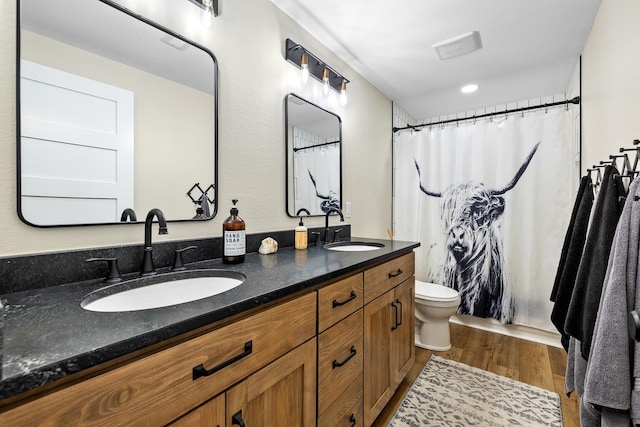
x=162 y=290
x=353 y=246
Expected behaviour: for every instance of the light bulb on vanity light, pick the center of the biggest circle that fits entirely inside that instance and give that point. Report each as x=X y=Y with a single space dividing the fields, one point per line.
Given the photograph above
x=207 y=13
x=325 y=81
x=343 y=93
x=304 y=67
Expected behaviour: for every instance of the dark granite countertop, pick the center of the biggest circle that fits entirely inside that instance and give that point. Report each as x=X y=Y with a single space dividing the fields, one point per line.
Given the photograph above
x=47 y=335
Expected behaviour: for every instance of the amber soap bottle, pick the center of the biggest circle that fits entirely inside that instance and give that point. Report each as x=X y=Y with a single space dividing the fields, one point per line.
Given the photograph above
x=234 y=237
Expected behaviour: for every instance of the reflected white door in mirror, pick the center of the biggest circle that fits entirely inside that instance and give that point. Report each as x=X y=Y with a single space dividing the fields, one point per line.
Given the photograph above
x=77 y=148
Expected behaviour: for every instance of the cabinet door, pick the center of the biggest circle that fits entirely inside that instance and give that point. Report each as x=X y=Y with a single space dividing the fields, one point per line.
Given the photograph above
x=379 y=317
x=209 y=414
x=403 y=350
x=346 y=409
x=281 y=394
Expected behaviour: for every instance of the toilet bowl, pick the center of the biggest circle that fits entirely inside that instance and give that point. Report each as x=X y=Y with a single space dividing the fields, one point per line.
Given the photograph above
x=435 y=304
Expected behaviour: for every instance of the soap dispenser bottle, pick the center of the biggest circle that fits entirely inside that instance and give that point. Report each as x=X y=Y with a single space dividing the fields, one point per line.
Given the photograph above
x=234 y=238
x=301 y=236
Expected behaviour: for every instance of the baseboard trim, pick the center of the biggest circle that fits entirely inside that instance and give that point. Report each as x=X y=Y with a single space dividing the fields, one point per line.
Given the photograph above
x=518 y=331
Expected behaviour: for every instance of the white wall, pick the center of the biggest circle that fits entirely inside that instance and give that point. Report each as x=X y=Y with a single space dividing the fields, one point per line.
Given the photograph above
x=248 y=40
x=610 y=82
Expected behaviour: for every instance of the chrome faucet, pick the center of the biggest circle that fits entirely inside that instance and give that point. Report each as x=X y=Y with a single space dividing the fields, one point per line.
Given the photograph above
x=147 y=259
x=326 y=222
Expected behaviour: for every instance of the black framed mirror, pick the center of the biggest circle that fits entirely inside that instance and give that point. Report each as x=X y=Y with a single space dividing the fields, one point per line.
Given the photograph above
x=314 y=157
x=115 y=114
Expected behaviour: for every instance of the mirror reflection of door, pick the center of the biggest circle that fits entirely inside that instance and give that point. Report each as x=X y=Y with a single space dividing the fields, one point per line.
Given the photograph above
x=77 y=148
x=314 y=157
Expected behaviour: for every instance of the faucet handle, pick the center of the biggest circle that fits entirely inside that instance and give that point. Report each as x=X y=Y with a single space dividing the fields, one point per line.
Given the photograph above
x=177 y=260
x=316 y=235
x=113 y=274
x=336 y=238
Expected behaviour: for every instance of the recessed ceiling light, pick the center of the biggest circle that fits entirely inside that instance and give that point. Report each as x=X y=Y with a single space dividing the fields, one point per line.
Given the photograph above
x=470 y=88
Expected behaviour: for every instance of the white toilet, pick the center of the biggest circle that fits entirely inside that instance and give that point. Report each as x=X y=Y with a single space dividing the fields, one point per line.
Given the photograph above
x=435 y=304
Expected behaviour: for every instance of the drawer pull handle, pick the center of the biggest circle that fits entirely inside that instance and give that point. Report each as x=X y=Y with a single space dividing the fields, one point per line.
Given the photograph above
x=396 y=274
x=399 y=311
x=337 y=303
x=395 y=317
x=236 y=419
x=352 y=419
x=337 y=364
x=201 y=371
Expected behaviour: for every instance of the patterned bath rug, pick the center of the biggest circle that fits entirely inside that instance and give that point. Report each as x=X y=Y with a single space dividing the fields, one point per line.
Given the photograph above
x=451 y=394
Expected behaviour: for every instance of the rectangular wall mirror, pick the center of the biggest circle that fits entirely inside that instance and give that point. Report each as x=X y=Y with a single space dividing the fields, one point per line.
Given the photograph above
x=314 y=157
x=115 y=113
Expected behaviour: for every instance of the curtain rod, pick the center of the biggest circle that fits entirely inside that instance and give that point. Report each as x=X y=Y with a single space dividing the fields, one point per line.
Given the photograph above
x=295 y=150
x=575 y=100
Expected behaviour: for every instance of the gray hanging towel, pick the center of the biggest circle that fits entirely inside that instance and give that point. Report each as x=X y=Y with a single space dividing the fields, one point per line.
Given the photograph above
x=608 y=380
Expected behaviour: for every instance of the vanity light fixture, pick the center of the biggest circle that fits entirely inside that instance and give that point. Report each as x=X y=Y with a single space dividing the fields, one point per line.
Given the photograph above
x=318 y=69
x=209 y=10
x=304 y=67
x=343 y=93
x=207 y=13
x=325 y=81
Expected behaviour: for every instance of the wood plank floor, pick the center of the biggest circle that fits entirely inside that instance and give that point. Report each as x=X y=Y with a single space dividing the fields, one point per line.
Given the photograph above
x=532 y=363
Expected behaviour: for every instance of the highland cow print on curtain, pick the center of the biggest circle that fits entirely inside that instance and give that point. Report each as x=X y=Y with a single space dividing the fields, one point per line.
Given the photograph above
x=489 y=202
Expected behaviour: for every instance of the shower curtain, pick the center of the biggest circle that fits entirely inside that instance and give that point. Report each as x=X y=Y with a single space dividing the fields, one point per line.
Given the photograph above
x=490 y=203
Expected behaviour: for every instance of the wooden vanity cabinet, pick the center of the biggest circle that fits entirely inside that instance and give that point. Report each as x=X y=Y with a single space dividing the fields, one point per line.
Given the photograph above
x=159 y=388
x=388 y=331
x=331 y=357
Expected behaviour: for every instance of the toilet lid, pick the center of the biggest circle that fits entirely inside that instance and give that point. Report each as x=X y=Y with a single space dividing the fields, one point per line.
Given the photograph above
x=435 y=292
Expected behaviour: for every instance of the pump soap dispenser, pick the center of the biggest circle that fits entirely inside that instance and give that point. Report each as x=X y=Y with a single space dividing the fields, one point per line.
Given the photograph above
x=301 y=236
x=234 y=237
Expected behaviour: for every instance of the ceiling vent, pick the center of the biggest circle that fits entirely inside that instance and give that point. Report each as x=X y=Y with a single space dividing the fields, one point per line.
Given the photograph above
x=460 y=45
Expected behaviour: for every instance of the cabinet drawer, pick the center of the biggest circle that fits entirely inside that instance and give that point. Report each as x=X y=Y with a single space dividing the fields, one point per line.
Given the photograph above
x=346 y=410
x=337 y=301
x=340 y=358
x=158 y=388
x=383 y=277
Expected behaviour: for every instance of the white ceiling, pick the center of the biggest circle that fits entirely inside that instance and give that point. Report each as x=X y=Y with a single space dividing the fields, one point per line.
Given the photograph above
x=530 y=48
